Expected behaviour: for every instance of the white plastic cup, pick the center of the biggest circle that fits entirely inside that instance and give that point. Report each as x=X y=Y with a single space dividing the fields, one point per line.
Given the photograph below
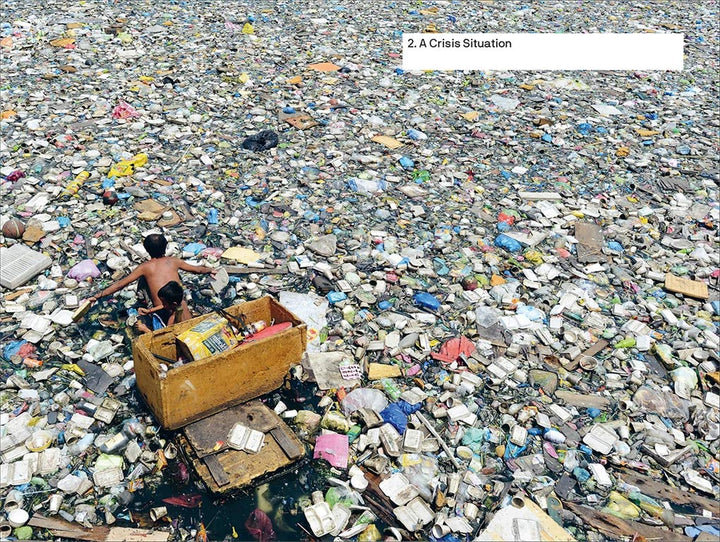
x=55 y=503
x=13 y=500
x=18 y=517
x=471 y=511
x=157 y=513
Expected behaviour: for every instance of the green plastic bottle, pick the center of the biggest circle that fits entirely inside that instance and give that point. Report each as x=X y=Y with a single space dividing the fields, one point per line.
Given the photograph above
x=626 y=343
x=391 y=389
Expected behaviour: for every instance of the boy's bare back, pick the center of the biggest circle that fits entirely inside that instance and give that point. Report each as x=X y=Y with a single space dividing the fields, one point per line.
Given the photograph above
x=158 y=272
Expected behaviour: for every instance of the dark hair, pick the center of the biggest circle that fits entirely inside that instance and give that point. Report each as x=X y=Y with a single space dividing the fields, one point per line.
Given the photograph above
x=155 y=244
x=171 y=292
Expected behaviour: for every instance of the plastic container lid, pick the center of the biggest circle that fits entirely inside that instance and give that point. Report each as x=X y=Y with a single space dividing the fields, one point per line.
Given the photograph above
x=18 y=517
x=39 y=441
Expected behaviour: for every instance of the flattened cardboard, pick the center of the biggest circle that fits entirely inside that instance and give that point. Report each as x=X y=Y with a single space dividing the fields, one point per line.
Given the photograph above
x=690 y=288
x=590 y=242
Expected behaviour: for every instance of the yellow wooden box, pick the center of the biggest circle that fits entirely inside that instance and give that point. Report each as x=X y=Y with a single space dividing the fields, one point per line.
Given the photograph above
x=200 y=388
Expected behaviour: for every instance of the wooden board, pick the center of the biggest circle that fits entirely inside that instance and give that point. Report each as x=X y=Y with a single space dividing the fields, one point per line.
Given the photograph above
x=216 y=470
x=664 y=492
x=690 y=288
x=613 y=526
x=292 y=450
x=206 y=435
x=582 y=400
x=594 y=349
x=242 y=468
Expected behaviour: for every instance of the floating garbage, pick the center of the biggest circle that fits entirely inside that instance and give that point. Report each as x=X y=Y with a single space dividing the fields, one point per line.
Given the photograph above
x=494 y=295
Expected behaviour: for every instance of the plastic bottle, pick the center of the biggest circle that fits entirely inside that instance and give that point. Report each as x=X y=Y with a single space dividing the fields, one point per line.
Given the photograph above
x=367 y=186
x=81 y=445
x=652 y=507
x=571 y=460
x=391 y=388
x=621 y=507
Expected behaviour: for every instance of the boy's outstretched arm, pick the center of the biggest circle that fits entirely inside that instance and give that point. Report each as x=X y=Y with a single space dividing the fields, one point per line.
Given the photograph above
x=119 y=285
x=199 y=269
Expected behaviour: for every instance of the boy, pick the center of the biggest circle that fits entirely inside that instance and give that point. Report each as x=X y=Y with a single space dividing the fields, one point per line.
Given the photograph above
x=169 y=312
x=156 y=273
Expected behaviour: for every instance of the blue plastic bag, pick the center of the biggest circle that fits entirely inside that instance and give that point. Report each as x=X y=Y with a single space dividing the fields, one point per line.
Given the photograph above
x=508 y=243
x=407 y=408
x=394 y=415
x=426 y=301
x=12 y=349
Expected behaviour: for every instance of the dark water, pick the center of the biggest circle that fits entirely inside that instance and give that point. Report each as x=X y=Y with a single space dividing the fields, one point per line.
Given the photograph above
x=221 y=515
x=277 y=494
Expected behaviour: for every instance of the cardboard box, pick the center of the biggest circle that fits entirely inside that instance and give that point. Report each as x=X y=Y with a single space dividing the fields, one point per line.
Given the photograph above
x=211 y=336
x=200 y=388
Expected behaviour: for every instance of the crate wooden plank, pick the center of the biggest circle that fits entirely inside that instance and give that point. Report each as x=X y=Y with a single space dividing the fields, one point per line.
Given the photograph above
x=216 y=470
x=240 y=467
x=291 y=449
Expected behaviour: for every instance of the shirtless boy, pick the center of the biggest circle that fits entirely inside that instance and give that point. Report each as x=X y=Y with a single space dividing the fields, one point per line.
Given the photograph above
x=157 y=272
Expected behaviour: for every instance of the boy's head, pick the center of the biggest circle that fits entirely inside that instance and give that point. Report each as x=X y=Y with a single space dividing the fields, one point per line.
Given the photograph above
x=155 y=244
x=171 y=294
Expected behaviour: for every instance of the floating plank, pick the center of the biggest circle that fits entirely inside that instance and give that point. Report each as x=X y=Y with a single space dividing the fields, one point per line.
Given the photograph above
x=229 y=469
x=324 y=67
x=690 y=288
x=291 y=449
x=613 y=526
x=660 y=490
x=65 y=529
x=389 y=142
x=209 y=435
x=594 y=349
x=247 y=270
x=578 y=399
x=216 y=470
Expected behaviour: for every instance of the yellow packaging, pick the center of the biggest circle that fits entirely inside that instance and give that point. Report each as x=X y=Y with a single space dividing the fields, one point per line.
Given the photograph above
x=127 y=167
x=209 y=337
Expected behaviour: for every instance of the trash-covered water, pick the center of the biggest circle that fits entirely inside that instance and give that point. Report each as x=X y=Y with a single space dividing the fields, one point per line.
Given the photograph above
x=509 y=278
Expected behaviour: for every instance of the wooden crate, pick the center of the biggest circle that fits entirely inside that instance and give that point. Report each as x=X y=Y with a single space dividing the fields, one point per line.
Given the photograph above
x=201 y=388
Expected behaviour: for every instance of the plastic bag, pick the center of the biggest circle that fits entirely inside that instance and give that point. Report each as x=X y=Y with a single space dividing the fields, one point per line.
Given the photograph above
x=20 y=348
x=508 y=243
x=667 y=405
x=259 y=526
x=83 y=270
x=395 y=416
x=407 y=408
x=262 y=141
x=124 y=110
x=364 y=398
